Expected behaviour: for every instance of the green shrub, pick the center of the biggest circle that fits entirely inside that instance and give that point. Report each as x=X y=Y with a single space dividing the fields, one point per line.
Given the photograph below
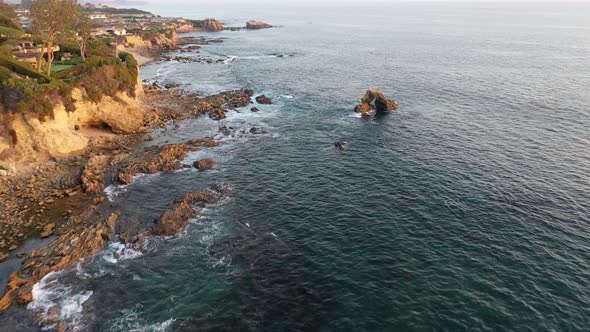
x=11 y=32
x=69 y=46
x=38 y=94
x=7 y=22
x=21 y=68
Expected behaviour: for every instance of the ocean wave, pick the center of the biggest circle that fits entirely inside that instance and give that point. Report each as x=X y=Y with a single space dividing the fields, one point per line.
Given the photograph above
x=132 y=320
x=230 y=59
x=118 y=251
x=113 y=191
x=55 y=301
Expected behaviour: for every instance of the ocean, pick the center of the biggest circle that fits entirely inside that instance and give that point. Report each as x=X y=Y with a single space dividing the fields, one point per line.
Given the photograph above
x=468 y=208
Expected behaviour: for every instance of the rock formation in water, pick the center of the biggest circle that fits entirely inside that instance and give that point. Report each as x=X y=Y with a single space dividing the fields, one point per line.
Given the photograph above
x=263 y=100
x=175 y=219
x=164 y=159
x=255 y=25
x=207 y=24
x=375 y=100
x=205 y=164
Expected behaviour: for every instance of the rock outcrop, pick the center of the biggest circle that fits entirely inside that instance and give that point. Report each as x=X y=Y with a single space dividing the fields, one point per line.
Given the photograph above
x=207 y=24
x=62 y=253
x=175 y=219
x=256 y=25
x=375 y=100
x=164 y=159
x=92 y=181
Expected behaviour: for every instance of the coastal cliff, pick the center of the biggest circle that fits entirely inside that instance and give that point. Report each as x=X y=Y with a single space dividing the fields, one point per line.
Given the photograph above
x=73 y=122
x=156 y=40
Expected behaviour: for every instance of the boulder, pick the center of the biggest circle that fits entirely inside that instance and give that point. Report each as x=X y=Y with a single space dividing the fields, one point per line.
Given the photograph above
x=263 y=100
x=205 y=164
x=254 y=109
x=256 y=25
x=377 y=98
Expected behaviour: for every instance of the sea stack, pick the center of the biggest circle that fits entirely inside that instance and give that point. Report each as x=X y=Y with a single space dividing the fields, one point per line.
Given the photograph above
x=374 y=99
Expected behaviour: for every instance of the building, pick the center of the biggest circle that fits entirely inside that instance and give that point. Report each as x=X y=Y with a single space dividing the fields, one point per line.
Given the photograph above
x=97 y=16
x=27 y=52
x=110 y=31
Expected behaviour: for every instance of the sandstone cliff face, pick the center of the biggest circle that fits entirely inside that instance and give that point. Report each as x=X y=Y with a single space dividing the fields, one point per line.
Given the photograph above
x=69 y=133
x=151 y=41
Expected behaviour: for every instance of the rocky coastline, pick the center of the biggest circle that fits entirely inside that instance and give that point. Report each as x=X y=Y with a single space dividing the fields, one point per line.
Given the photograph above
x=62 y=198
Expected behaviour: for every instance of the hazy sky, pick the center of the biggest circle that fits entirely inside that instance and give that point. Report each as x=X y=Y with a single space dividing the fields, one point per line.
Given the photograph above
x=193 y=2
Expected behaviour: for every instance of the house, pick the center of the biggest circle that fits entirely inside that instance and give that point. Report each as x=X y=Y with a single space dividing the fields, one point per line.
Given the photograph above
x=110 y=31
x=30 y=59
x=66 y=56
x=27 y=52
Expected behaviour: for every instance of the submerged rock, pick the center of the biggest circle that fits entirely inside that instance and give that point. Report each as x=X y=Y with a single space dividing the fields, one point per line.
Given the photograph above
x=254 y=109
x=256 y=131
x=374 y=99
x=340 y=145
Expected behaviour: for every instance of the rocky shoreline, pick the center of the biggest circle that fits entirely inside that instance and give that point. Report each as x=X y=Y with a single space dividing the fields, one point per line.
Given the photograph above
x=64 y=201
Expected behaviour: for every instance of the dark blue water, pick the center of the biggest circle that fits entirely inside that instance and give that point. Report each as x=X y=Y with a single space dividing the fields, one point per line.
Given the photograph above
x=467 y=209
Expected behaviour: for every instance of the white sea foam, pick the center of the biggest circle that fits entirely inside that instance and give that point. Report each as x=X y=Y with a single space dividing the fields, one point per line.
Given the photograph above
x=117 y=251
x=230 y=59
x=132 y=321
x=51 y=298
x=113 y=191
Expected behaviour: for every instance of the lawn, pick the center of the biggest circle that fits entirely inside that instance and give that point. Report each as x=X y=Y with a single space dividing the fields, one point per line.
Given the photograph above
x=10 y=33
x=58 y=68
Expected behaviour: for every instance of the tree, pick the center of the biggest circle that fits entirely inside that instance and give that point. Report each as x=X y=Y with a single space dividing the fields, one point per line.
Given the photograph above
x=7 y=10
x=51 y=20
x=83 y=30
